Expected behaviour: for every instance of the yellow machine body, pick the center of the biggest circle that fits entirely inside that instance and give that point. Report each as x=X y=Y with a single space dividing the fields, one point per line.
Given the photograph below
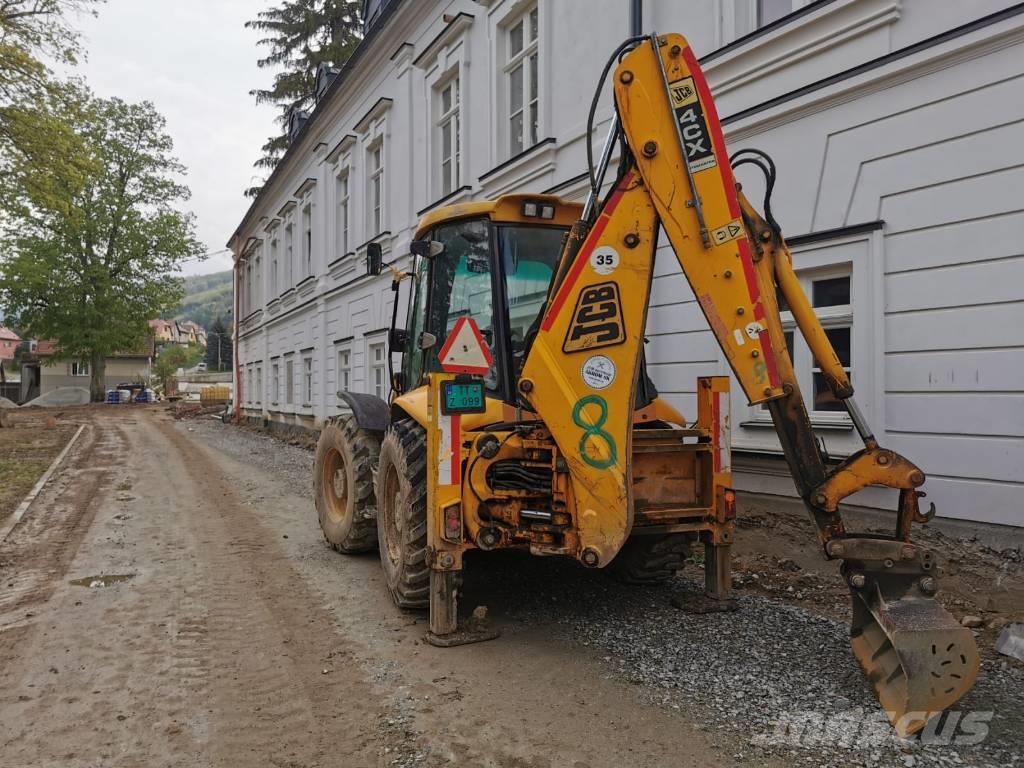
x=581 y=459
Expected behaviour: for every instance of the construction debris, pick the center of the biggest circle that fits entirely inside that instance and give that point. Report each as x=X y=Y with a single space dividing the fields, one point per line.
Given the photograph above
x=61 y=397
x=193 y=410
x=1011 y=641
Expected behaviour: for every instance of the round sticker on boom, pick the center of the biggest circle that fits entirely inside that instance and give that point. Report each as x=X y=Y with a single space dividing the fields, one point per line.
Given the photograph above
x=604 y=260
x=598 y=372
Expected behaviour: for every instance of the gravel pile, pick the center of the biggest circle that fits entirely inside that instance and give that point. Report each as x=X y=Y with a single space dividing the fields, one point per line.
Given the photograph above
x=771 y=680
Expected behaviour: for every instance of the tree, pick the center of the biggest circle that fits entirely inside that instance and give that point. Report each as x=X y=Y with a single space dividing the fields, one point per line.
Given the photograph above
x=218 y=347
x=168 y=361
x=87 y=261
x=31 y=32
x=300 y=35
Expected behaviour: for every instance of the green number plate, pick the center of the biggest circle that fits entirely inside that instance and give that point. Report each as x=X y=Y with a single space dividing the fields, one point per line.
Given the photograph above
x=463 y=397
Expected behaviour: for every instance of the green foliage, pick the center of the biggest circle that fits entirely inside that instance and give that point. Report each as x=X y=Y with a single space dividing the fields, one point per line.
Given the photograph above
x=207 y=297
x=90 y=254
x=219 y=347
x=300 y=35
x=171 y=357
x=31 y=32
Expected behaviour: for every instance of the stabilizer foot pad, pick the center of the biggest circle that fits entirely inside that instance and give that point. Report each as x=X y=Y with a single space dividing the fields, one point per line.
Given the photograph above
x=463 y=636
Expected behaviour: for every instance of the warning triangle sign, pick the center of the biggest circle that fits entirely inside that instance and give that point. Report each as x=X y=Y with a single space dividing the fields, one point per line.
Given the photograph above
x=465 y=350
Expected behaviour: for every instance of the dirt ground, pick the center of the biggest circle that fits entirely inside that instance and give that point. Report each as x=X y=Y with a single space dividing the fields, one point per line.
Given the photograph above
x=29 y=441
x=776 y=556
x=169 y=601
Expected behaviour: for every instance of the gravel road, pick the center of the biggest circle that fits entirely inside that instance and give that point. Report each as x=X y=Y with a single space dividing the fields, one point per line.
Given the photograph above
x=236 y=637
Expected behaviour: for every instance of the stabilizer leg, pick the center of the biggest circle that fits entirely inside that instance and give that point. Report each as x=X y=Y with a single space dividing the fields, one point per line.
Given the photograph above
x=445 y=630
x=717 y=596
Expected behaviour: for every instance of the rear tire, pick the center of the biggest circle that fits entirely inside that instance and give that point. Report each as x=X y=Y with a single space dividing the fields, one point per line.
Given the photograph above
x=346 y=457
x=401 y=487
x=650 y=559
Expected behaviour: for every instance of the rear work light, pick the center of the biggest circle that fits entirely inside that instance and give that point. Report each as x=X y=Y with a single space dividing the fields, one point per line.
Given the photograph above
x=729 y=499
x=453 y=523
x=538 y=209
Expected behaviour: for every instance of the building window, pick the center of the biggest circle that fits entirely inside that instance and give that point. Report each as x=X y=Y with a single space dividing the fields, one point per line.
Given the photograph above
x=259 y=384
x=258 y=281
x=247 y=292
x=307 y=381
x=344 y=370
x=830 y=295
x=289 y=382
x=772 y=10
x=375 y=190
x=273 y=268
x=341 y=222
x=522 y=78
x=307 y=240
x=275 y=383
x=248 y=384
x=448 y=135
x=79 y=368
x=377 y=370
x=289 y=255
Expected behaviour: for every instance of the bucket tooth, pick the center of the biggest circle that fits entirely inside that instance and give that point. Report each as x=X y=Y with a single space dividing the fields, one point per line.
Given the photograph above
x=918 y=659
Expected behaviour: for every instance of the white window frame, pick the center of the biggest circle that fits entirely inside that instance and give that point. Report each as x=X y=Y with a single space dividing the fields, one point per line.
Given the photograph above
x=247 y=290
x=78 y=368
x=449 y=152
x=258 y=279
x=804 y=365
x=289 y=381
x=376 y=369
x=343 y=381
x=516 y=144
x=862 y=254
x=274 y=259
x=248 y=384
x=343 y=209
x=376 y=165
x=275 y=383
x=306 y=233
x=289 y=253
x=259 y=384
x=307 y=381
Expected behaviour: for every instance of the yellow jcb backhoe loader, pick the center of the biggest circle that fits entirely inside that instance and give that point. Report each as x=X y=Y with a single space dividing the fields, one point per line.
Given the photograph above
x=536 y=427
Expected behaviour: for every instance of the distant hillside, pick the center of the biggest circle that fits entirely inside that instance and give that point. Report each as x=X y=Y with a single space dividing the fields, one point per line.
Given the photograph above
x=206 y=297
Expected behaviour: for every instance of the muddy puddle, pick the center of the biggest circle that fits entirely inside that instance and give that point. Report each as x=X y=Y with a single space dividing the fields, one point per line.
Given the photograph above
x=102 y=581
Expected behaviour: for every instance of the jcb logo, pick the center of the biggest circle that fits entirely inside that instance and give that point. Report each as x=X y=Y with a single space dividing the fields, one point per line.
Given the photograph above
x=597 y=319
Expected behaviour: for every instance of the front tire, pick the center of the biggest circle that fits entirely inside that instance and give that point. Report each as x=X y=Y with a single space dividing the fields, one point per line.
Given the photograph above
x=346 y=457
x=401 y=487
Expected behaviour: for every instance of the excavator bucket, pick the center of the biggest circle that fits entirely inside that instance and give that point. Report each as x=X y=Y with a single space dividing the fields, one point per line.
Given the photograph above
x=918 y=659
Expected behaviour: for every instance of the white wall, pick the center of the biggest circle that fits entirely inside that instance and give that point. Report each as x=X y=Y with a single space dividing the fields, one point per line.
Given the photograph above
x=925 y=144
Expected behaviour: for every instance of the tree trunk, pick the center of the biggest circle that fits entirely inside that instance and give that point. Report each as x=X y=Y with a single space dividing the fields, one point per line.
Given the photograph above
x=98 y=384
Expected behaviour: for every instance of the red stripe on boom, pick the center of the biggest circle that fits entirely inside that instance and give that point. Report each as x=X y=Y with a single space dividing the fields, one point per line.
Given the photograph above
x=584 y=253
x=715 y=127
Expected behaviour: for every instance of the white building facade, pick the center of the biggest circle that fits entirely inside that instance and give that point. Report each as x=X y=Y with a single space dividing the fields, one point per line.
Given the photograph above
x=896 y=126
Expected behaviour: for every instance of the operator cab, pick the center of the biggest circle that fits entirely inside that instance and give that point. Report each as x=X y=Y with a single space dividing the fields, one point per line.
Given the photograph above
x=492 y=262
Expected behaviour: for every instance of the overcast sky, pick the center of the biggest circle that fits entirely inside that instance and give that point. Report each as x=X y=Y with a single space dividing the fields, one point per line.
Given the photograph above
x=196 y=62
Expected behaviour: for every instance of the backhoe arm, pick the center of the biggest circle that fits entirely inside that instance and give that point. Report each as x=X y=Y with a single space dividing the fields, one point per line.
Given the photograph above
x=580 y=375
x=917 y=657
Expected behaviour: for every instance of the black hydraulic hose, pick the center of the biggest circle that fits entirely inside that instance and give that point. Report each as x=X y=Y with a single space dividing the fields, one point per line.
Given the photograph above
x=626 y=44
x=394 y=319
x=766 y=165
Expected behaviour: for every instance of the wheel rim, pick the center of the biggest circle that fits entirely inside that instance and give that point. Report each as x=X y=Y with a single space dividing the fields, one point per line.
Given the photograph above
x=335 y=485
x=392 y=523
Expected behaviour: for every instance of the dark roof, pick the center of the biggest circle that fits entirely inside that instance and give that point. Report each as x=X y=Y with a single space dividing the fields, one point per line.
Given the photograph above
x=376 y=14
